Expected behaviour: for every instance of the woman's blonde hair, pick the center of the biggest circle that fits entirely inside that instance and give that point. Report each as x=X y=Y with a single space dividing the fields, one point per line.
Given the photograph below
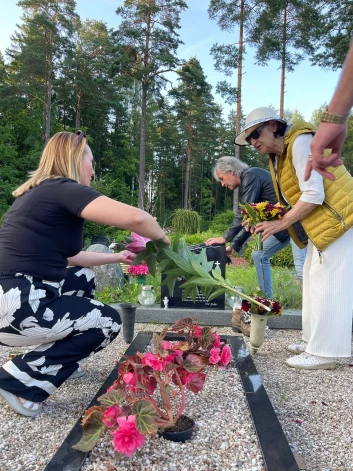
x=61 y=157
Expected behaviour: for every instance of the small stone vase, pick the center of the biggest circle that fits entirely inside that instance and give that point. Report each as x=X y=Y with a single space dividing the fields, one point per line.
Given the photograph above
x=128 y=313
x=257 y=332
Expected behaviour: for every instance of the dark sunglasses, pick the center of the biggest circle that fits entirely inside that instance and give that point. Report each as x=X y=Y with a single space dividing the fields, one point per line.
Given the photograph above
x=255 y=134
x=80 y=135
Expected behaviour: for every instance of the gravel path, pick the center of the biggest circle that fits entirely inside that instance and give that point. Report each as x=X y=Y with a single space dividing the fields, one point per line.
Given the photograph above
x=314 y=407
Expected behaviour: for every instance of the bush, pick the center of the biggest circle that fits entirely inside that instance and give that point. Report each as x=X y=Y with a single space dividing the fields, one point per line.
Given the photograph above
x=221 y=222
x=283 y=258
x=186 y=221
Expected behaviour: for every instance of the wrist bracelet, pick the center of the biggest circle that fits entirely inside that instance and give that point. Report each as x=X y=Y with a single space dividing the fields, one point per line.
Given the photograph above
x=327 y=117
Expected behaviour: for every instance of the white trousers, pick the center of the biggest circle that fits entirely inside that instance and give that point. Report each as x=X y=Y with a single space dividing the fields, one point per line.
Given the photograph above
x=328 y=298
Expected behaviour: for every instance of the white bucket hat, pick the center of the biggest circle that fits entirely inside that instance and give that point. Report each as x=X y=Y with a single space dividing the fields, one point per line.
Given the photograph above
x=257 y=116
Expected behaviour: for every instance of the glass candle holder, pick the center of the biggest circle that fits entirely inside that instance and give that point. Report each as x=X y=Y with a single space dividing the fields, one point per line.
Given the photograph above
x=147 y=296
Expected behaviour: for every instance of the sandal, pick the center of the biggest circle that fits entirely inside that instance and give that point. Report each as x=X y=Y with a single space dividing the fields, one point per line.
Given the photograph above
x=78 y=373
x=28 y=408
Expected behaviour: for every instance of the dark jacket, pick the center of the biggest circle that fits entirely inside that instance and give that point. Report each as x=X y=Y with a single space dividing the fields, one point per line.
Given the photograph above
x=255 y=187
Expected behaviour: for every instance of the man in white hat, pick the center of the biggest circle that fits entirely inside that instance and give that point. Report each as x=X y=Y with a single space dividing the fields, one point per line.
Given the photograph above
x=325 y=210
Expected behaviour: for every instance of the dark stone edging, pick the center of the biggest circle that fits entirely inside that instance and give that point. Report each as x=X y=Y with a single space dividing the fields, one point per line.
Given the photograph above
x=276 y=451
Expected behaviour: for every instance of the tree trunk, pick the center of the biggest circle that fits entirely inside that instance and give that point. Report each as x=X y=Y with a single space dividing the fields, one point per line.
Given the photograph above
x=142 y=147
x=48 y=92
x=239 y=87
x=78 y=109
x=283 y=67
x=187 y=175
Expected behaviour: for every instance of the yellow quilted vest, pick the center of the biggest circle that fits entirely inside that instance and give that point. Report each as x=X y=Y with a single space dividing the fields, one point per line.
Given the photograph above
x=334 y=217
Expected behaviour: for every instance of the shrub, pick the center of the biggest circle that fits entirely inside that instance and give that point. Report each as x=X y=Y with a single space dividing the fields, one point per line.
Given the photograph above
x=283 y=258
x=186 y=221
x=221 y=222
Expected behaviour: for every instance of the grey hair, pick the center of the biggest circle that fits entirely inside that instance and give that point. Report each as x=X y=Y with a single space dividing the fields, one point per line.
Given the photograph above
x=229 y=164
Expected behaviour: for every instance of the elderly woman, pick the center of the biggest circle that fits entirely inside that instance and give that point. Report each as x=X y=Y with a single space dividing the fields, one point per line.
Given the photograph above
x=42 y=302
x=325 y=211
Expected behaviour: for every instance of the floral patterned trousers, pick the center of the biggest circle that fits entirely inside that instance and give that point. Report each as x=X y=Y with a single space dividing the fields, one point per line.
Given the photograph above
x=61 y=319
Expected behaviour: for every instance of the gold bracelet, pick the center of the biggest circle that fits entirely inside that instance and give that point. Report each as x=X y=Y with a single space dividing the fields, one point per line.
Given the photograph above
x=327 y=117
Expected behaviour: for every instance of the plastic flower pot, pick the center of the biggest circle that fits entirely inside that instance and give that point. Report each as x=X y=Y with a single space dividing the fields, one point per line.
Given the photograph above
x=128 y=313
x=257 y=331
x=181 y=431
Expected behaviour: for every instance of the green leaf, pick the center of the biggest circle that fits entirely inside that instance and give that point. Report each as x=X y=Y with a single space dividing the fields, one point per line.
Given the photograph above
x=192 y=363
x=91 y=432
x=141 y=256
x=115 y=396
x=146 y=417
x=200 y=271
x=175 y=244
x=151 y=264
x=251 y=211
x=198 y=281
x=217 y=276
x=216 y=293
x=190 y=291
x=170 y=282
x=179 y=261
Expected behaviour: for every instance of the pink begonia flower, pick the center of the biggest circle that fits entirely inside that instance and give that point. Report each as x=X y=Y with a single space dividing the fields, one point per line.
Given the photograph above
x=153 y=361
x=138 y=243
x=226 y=356
x=129 y=378
x=216 y=340
x=215 y=356
x=110 y=416
x=197 y=331
x=126 y=439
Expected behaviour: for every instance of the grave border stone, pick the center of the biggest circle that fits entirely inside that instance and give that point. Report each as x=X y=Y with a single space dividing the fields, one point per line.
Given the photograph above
x=276 y=451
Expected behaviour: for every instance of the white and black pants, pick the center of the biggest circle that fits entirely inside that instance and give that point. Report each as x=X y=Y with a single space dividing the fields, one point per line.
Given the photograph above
x=62 y=318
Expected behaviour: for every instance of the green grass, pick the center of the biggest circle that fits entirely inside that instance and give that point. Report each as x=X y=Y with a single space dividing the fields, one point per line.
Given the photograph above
x=286 y=288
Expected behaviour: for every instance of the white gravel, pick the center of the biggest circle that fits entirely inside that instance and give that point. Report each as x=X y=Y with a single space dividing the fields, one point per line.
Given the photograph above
x=314 y=408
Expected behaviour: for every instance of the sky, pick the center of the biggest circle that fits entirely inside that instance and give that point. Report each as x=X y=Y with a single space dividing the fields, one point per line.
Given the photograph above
x=307 y=88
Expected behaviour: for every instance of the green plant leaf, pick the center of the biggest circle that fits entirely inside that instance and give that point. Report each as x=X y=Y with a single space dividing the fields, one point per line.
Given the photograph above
x=218 y=276
x=200 y=271
x=202 y=282
x=115 y=396
x=91 y=432
x=179 y=261
x=192 y=363
x=151 y=264
x=146 y=417
x=251 y=211
x=216 y=293
x=141 y=256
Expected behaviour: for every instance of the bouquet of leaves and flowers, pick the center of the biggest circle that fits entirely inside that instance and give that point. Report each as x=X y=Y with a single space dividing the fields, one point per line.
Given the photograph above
x=254 y=213
x=149 y=393
x=178 y=262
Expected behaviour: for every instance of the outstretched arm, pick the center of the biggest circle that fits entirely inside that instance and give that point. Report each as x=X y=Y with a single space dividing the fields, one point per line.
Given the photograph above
x=331 y=135
x=105 y=210
x=94 y=259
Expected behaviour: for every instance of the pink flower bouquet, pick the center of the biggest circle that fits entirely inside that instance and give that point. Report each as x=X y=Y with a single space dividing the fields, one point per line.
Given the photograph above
x=138 y=270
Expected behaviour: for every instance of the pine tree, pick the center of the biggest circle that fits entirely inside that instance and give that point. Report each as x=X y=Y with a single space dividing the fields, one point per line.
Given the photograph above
x=147 y=41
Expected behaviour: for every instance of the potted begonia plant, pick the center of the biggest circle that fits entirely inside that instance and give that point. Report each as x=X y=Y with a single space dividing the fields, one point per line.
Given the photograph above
x=149 y=393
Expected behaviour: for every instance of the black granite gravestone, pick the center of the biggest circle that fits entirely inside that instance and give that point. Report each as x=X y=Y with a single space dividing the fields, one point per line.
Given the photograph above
x=215 y=253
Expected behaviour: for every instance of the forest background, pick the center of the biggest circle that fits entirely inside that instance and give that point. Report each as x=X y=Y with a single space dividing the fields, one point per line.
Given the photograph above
x=154 y=139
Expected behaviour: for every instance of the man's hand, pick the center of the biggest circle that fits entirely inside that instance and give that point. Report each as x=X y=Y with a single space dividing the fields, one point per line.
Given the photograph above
x=215 y=240
x=328 y=136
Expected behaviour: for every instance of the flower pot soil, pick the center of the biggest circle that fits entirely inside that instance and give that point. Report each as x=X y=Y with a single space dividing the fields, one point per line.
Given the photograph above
x=181 y=431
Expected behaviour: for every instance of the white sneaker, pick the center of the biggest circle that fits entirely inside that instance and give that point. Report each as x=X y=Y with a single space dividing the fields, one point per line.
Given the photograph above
x=297 y=348
x=306 y=361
